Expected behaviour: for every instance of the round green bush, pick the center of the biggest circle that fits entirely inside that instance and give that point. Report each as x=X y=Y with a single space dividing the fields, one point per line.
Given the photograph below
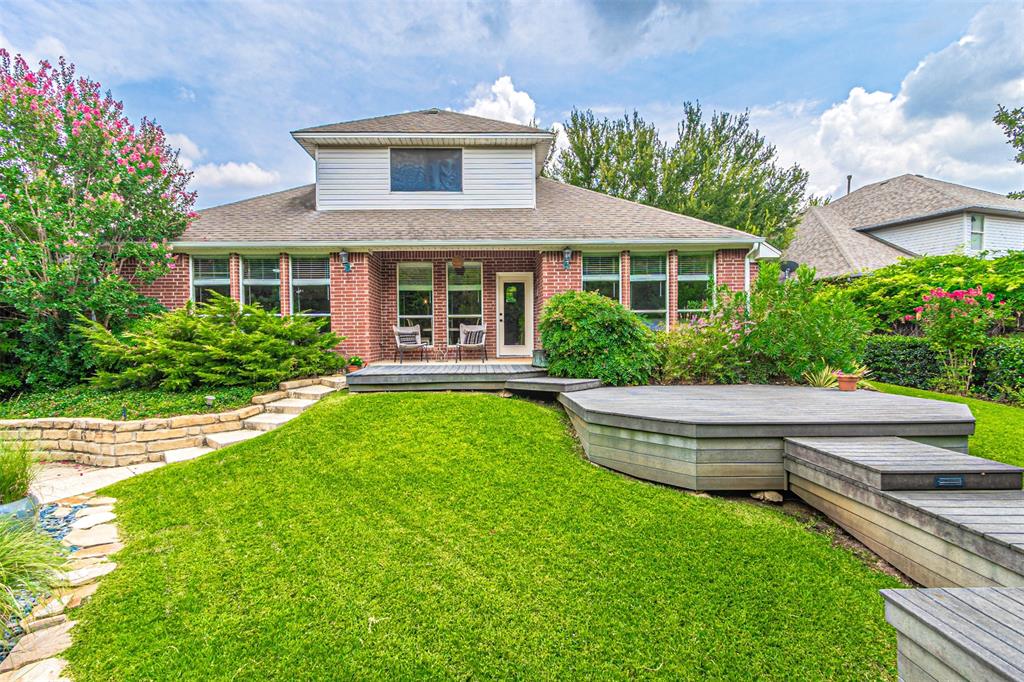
x=901 y=360
x=588 y=335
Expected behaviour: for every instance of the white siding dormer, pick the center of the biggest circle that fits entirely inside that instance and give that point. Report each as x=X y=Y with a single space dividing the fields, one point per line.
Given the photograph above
x=1003 y=234
x=359 y=178
x=928 y=237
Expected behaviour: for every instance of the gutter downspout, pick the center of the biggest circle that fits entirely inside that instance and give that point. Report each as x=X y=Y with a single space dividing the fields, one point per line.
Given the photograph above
x=746 y=273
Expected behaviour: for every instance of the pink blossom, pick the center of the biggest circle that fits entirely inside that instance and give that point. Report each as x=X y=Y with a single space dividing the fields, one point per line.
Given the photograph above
x=990 y=296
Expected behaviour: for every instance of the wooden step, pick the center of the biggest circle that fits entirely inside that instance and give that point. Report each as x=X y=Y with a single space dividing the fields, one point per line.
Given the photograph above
x=226 y=438
x=267 y=421
x=290 y=405
x=185 y=454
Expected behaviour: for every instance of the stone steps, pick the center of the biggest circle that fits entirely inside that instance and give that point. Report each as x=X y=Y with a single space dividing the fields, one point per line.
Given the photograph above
x=267 y=421
x=290 y=405
x=315 y=392
x=185 y=454
x=226 y=438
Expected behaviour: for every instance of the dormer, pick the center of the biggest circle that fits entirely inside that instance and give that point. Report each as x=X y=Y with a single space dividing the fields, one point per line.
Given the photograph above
x=431 y=159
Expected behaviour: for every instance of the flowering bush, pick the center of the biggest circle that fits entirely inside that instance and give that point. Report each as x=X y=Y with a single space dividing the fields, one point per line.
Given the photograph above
x=706 y=350
x=957 y=325
x=88 y=202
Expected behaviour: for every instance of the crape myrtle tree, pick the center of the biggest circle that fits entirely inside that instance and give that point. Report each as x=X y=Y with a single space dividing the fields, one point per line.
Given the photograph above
x=88 y=203
x=719 y=169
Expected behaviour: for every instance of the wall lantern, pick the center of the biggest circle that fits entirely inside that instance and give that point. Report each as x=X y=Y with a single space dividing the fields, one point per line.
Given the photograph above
x=566 y=257
x=458 y=265
x=344 y=261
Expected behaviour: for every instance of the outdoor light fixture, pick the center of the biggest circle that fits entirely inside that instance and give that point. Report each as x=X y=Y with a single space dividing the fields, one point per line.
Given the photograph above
x=210 y=400
x=344 y=261
x=566 y=257
x=458 y=265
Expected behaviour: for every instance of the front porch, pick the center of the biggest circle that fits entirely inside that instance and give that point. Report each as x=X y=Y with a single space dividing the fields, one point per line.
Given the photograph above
x=441 y=376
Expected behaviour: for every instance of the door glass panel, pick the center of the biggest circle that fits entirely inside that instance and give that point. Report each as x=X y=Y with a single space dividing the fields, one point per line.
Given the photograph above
x=514 y=298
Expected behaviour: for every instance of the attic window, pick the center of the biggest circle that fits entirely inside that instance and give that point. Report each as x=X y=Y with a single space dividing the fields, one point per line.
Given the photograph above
x=426 y=170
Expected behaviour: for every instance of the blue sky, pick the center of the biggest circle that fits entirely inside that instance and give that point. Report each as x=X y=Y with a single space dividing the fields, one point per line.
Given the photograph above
x=873 y=89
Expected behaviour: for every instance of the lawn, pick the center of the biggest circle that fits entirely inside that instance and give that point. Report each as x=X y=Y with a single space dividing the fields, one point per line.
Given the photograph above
x=399 y=536
x=999 y=431
x=83 y=400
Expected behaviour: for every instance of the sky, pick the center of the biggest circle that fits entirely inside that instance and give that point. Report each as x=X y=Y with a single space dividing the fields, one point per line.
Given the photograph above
x=871 y=89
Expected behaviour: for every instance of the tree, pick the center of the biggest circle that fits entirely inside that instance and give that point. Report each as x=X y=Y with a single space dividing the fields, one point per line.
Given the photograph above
x=718 y=170
x=1012 y=123
x=88 y=203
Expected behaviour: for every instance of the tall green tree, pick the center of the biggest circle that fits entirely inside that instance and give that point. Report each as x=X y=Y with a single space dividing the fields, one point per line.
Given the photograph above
x=1012 y=123
x=719 y=169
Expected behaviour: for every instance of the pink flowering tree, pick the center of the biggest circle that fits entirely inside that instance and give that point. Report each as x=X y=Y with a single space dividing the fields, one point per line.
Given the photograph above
x=88 y=203
x=958 y=324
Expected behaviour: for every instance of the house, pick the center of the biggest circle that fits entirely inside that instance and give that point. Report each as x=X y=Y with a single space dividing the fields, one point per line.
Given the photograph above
x=439 y=219
x=903 y=217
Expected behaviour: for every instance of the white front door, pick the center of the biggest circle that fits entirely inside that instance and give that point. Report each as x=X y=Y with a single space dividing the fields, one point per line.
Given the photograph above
x=515 y=314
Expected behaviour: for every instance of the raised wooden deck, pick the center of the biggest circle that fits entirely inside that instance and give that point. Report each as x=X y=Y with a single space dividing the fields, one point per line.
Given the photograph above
x=958 y=634
x=440 y=376
x=731 y=437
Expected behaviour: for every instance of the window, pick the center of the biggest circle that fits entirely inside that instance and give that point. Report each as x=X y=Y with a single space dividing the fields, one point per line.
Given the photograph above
x=311 y=287
x=210 y=274
x=977 y=232
x=465 y=298
x=695 y=282
x=416 y=298
x=261 y=283
x=648 y=288
x=601 y=274
x=426 y=170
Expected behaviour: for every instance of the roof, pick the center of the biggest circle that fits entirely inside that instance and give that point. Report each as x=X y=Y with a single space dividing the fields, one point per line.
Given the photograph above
x=425 y=121
x=565 y=215
x=836 y=238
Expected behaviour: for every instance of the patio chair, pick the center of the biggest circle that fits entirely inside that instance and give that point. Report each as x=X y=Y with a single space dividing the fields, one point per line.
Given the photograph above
x=408 y=338
x=472 y=336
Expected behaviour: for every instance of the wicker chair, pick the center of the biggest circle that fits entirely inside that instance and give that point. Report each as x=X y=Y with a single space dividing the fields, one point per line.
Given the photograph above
x=408 y=338
x=472 y=336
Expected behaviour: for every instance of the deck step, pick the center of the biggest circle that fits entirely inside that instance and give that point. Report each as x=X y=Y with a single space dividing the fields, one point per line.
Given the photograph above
x=889 y=463
x=226 y=438
x=310 y=392
x=268 y=420
x=289 y=405
x=185 y=454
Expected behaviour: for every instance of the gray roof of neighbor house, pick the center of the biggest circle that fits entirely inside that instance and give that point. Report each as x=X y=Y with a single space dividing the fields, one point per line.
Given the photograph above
x=565 y=216
x=836 y=238
x=425 y=121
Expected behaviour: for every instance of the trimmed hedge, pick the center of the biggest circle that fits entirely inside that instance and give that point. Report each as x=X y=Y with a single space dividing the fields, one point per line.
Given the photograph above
x=901 y=360
x=588 y=335
x=1000 y=370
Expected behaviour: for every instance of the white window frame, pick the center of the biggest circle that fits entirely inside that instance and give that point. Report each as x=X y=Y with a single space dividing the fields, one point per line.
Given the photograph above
x=449 y=287
x=293 y=283
x=649 y=278
x=710 y=277
x=398 y=298
x=260 y=282
x=617 y=277
x=972 y=219
x=193 y=282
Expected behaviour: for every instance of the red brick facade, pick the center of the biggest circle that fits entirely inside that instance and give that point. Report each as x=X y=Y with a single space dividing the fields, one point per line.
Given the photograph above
x=364 y=301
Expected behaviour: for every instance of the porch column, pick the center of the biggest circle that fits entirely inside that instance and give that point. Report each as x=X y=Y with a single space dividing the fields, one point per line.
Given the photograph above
x=285 y=275
x=673 y=289
x=355 y=305
x=440 y=308
x=235 y=276
x=624 y=278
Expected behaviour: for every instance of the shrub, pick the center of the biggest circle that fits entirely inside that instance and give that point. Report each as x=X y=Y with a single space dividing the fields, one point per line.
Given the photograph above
x=707 y=350
x=588 y=335
x=956 y=325
x=999 y=373
x=797 y=325
x=29 y=561
x=902 y=360
x=17 y=467
x=219 y=343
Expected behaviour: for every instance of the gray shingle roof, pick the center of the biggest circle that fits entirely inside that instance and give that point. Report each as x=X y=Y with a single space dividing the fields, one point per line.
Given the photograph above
x=564 y=213
x=836 y=238
x=426 y=121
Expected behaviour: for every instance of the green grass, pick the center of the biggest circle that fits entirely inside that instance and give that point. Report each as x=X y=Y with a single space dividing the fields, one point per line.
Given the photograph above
x=999 y=429
x=83 y=400
x=401 y=536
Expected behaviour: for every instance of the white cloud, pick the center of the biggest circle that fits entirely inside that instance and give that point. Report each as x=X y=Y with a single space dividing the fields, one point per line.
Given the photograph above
x=939 y=123
x=232 y=174
x=503 y=102
x=186 y=94
x=46 y=47
x=190 y=151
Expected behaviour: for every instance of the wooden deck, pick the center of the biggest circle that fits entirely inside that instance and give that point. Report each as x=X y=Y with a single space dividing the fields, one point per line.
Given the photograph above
x=472 y=376
x=958 y=634
x=731 y=437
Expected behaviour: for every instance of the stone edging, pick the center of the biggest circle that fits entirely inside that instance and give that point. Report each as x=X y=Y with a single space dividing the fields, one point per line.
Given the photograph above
x=107 y=442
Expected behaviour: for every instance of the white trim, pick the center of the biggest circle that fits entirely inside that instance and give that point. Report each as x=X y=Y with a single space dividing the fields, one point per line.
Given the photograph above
x=710 y=277
x=499 y=311
x=216 y=282
x=616 y=245
x=601 y=278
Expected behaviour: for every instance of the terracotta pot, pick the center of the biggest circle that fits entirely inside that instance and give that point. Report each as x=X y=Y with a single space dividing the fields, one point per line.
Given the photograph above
x=353 y=368
x=848 y=383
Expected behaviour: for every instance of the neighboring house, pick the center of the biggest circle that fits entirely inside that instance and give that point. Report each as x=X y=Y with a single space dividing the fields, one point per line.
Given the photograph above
x=438 y=219
x=903 y=217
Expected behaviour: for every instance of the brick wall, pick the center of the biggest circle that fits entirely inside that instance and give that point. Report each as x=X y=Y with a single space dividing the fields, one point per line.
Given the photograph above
x=171 y=290
x=355 y=304
x=624 y=278
x=729 y=265
x=553 y=279
x=286 y=279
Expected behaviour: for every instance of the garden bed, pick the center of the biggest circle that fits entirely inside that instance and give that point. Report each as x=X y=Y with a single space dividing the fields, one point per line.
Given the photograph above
x=85 y=401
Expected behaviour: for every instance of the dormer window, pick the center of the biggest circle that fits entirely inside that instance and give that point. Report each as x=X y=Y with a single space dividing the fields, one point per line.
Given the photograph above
x=426 y=170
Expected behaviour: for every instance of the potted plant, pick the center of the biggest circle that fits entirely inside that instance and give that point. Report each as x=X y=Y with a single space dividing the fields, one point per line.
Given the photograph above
x=355 y=363
x=848 y=380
